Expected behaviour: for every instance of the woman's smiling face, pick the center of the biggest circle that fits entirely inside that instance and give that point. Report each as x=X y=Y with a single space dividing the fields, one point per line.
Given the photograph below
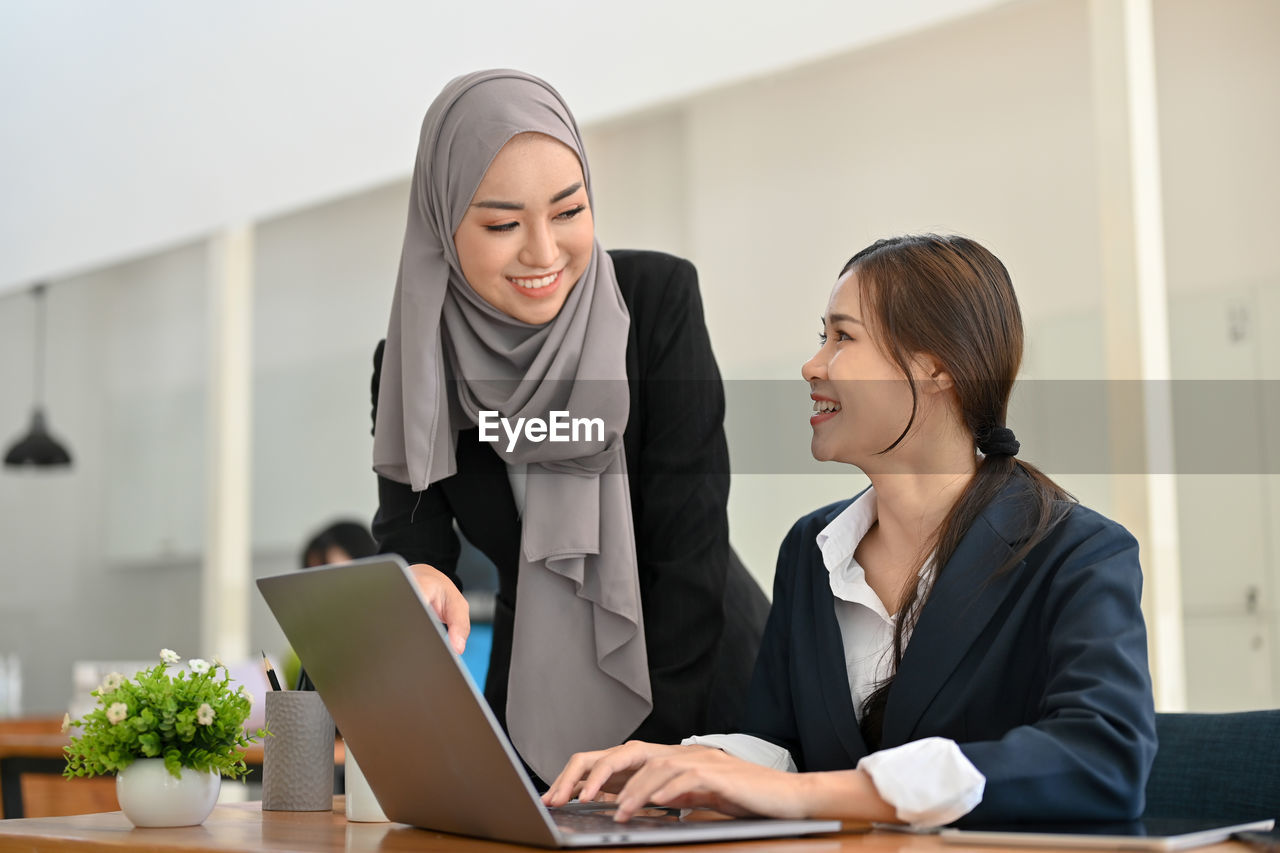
x=862 y=400
x=527 y=235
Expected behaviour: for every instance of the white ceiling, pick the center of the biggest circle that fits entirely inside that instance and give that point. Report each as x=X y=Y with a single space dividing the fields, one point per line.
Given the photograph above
x=132 y=125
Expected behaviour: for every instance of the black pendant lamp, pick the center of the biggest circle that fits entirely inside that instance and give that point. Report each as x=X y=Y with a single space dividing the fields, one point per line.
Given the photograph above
x=38 y=449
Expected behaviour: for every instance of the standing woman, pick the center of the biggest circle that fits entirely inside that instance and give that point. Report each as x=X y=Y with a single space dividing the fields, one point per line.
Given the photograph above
x=621 y=609
x=961 y=640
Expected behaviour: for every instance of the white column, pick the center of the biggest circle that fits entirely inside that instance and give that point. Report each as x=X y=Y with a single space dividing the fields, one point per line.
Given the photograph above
x=227 y=579
x=1136 y=319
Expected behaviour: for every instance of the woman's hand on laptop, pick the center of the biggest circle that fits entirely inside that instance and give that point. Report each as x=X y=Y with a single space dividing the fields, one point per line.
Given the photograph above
x=703 y=777
x=447 y=601
x=700 y=776
x=589 y=773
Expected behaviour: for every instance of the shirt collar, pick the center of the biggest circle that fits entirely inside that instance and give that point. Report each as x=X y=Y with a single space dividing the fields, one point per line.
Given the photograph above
x=838 y=541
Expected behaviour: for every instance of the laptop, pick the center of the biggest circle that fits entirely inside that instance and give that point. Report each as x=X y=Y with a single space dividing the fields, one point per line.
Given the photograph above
x=1146 y=834
x=428 y=743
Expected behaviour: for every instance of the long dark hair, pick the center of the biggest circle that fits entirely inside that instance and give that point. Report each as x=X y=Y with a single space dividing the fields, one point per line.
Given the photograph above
x=952 y=299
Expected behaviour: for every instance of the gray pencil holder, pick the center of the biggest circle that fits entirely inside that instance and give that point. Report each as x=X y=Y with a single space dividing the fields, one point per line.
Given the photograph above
x=297 y=757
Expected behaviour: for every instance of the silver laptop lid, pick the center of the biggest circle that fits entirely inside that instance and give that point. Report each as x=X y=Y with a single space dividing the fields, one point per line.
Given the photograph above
x=428 y=743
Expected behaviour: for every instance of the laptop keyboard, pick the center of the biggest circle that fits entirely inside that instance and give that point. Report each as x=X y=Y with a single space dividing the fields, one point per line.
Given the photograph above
x=602 y=821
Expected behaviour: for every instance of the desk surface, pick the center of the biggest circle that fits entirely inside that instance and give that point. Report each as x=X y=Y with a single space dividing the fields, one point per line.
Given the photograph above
x=245 y=827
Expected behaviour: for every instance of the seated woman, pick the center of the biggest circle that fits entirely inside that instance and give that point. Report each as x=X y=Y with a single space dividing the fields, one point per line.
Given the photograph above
x=961 y=639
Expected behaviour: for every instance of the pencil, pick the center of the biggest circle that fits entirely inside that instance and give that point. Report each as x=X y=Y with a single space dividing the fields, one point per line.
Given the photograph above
x=270 y=671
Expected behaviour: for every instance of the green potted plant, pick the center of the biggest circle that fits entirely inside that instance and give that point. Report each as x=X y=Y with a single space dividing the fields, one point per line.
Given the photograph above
x=169 y=738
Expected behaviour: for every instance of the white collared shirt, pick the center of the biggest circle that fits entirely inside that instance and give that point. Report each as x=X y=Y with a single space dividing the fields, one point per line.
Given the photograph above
x=929 y=782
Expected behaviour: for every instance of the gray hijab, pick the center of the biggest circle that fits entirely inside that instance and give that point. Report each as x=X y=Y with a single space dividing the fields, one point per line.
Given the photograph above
x=579 y=677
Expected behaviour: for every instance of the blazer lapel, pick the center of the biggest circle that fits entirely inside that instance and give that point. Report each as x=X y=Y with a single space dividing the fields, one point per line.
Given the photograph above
x=964 y=598
x=833 y=677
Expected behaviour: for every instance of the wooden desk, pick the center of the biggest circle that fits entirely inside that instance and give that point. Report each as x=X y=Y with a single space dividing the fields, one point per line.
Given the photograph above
x=31 y=781
x=245 y=827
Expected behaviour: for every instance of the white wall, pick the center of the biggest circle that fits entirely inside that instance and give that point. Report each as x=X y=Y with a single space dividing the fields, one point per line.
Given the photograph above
x=134 y=125
x=1219 y=73
x=101 y=561
x=324 y=281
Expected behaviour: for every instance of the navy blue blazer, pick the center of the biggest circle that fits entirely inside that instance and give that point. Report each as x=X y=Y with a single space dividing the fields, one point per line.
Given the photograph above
x=1039 y=674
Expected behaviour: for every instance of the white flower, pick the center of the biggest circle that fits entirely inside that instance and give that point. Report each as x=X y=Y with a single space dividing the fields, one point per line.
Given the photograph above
x=169 y=656
x=111 y=682
x=117 y=712
x=198 y=665
x=204 y=714
x=66 y=723
x=217 y=661
x=246 y=694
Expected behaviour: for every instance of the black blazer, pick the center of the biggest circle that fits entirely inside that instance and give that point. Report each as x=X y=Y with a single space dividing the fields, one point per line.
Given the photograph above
x=1040 y=674
x=703 y=613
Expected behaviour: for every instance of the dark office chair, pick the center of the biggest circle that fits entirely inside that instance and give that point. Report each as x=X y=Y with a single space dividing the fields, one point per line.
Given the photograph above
x=1216 y=766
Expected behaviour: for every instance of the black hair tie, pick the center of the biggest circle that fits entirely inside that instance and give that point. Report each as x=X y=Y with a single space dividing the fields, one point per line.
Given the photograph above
x=998 y=441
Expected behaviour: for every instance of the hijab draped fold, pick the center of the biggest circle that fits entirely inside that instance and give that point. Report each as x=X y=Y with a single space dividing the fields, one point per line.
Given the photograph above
x=579 y=676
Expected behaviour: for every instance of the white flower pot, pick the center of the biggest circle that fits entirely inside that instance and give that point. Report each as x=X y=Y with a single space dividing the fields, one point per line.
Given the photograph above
x=150 y=796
